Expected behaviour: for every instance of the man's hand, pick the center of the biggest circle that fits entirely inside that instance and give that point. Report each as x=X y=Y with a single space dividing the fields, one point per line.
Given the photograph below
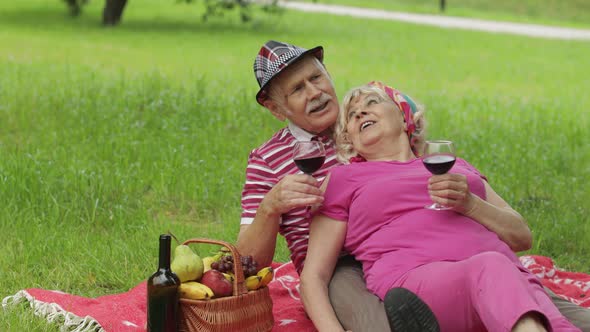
x=259 y=238
x=451 y=190
x=291 y=192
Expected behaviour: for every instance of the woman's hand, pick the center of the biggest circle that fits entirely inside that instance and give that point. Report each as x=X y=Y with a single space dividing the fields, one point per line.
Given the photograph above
x=451 y=190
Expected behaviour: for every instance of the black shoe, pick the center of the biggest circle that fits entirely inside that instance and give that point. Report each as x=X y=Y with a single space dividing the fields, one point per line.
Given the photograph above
x=407 y=313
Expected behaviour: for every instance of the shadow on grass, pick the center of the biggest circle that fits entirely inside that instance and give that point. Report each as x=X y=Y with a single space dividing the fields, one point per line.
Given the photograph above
x=46 y=18
x=56 y=18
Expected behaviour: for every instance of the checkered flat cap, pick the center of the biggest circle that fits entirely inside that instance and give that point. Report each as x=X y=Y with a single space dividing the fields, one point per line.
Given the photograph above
x=275 y=56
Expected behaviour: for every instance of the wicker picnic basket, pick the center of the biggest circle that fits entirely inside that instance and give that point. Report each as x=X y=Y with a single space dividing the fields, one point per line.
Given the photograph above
x=244 y=311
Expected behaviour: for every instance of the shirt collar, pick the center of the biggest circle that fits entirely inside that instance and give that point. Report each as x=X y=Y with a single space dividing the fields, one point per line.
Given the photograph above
x=300 y=134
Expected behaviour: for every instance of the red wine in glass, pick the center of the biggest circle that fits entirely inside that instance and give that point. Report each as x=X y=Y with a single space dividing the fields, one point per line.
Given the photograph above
x=309 y=156
x=439 y=164
x=439 y=158
x=310 y=165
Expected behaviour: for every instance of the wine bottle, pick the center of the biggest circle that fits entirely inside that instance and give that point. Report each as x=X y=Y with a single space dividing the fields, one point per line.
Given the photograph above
x=162 y=293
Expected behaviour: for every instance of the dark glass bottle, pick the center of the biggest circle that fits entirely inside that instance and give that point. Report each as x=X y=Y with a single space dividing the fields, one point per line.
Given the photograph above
x=162 y=293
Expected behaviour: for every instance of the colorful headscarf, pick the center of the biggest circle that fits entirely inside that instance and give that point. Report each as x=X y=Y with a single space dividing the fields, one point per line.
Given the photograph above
x=403 y=103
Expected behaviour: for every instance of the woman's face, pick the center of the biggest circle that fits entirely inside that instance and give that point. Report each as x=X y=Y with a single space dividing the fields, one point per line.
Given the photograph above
x=372 y=120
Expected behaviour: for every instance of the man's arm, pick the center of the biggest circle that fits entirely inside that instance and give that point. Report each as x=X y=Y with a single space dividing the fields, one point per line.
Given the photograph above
x=259 y=238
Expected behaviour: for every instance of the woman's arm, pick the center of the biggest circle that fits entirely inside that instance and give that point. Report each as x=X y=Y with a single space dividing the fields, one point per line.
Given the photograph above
x=499 y=217
x=326 y=238
x=494 y=213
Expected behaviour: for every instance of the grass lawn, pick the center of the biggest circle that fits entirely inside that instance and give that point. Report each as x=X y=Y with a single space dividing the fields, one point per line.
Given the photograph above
x=111 y=136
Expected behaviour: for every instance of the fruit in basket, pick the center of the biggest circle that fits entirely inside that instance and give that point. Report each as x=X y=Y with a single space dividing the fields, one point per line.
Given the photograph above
x=249 y=265
x=229 y=276
x=186 y=264
x=225 y=264
x=217 y=282
x=209 y=260
x=266 y=274
x=253 y=282
x=195 y=291
x=207 y=263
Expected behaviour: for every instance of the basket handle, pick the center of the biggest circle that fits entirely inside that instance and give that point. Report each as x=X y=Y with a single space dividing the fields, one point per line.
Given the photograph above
x=239 y=287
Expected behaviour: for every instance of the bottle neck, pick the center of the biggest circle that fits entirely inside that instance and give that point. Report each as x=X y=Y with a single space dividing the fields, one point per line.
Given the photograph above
x=164 y=262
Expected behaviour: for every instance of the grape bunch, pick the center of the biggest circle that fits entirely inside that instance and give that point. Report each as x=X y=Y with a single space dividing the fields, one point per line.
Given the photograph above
x=249 y=266
x=225 y=264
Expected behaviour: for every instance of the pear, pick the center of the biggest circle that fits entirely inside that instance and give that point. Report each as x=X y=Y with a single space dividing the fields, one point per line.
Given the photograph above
x=186 y=264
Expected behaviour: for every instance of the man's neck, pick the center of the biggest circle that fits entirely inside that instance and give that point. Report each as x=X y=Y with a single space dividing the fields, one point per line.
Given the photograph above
x=327 y=133
x=304 y=135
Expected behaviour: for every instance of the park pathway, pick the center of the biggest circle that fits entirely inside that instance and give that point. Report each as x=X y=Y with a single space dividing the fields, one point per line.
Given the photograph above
x=531 y=30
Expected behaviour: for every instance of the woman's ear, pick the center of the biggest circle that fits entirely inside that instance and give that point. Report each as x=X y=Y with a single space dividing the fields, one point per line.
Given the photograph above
x=345 y=138
x=419 y=122
x=274 y=109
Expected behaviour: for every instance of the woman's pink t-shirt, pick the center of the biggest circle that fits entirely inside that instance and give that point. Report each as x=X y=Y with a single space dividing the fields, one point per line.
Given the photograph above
x=390 y=231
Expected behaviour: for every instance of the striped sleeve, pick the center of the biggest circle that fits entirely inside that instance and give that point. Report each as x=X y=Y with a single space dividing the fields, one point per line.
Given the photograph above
x=260 y=178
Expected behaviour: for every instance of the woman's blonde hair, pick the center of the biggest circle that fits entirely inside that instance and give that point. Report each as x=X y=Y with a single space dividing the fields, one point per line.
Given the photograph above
x=344 y=148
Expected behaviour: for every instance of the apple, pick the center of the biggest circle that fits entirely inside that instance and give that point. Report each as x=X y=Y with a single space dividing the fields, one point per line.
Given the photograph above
x=217 y=282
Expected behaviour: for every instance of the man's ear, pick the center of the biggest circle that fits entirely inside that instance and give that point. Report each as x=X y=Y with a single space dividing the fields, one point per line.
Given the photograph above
x=274 y=109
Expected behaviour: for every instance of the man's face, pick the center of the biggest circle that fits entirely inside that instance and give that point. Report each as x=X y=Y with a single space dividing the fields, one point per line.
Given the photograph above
x=304 y=94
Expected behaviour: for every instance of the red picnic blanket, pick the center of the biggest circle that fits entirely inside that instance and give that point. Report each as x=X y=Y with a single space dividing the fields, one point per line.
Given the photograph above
x=127 y=311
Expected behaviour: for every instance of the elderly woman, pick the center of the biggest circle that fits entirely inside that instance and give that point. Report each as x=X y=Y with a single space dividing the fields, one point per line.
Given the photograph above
x=460 y=262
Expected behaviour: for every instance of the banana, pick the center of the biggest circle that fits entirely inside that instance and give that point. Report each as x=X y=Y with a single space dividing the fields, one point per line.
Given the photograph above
x=195 y=291
x=207 y=263
x=218 y=255
x=253 y=282
x=229 y=277
x=266 y=274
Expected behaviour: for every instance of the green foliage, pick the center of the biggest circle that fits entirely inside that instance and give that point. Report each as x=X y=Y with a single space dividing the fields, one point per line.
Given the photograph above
x=212 y=7
x=218 y=7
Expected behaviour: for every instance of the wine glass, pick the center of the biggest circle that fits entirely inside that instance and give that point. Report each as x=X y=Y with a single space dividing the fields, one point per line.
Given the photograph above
x=309 y=156
x=438 y=158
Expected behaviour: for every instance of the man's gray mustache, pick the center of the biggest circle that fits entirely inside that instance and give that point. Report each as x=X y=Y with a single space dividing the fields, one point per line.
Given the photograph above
x=324 y=98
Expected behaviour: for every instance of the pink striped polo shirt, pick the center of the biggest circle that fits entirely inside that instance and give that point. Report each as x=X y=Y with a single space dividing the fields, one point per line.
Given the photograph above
x=267 y=165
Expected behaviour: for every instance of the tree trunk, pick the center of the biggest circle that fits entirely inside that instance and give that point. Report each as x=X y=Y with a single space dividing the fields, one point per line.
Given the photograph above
x=443 y=5
x=113 y=10
x=74 y=7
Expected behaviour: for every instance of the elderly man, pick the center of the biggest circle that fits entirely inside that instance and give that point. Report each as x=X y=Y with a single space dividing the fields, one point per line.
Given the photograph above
x=295 y=86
